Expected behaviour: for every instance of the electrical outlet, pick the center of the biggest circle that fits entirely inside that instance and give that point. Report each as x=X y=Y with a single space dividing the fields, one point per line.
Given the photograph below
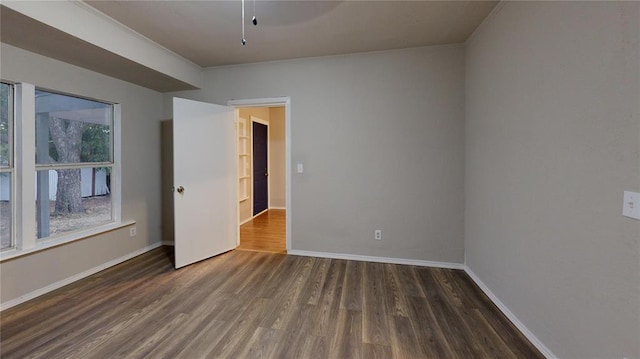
x=377 y=235
x=631 y=205
x=133 y=231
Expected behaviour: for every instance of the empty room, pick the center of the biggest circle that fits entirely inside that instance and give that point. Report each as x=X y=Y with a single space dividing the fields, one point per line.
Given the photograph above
x=320 y=179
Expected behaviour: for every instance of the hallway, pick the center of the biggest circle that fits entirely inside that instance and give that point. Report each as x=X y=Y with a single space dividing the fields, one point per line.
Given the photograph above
x=265 y=233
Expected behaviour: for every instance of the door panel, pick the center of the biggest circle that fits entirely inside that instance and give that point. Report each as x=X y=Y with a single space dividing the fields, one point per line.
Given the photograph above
x=204 y=171
x=260 y=168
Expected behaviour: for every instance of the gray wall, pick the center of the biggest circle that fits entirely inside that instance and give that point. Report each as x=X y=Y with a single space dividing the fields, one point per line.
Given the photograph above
x=141 y=112
x=552 y=140
x=381 y=138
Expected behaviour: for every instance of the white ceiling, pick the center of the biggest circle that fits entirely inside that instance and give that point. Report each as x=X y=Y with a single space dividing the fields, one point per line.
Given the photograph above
x=129 y=39
x=209 y=32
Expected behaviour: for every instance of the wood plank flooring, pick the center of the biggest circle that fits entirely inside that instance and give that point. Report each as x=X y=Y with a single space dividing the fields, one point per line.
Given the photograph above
x=265 y=233
x=246 y=304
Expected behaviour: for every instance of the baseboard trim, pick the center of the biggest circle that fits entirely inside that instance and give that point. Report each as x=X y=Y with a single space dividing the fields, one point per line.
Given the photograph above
x=252 y=217
x=357 y=257
x=256 y=215
x=168 y=243
x=51 y=287
x=512 y=317
x=283 y=208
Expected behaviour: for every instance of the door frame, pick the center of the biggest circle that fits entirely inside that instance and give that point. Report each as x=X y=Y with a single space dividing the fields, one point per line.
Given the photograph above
x=275 y=102
x=253 y=190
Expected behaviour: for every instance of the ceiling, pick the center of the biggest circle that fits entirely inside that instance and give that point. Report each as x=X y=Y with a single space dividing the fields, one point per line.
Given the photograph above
x=24 y=32
x=209 y=33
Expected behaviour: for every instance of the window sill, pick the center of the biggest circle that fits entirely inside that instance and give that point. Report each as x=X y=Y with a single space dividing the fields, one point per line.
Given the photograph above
x=64 y=239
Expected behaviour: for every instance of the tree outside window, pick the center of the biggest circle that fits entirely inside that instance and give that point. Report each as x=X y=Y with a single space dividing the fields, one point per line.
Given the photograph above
x=74 y=159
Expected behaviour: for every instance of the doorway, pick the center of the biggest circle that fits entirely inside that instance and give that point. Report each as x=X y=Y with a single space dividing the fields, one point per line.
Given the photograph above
x=263 y=174
x=260 y=159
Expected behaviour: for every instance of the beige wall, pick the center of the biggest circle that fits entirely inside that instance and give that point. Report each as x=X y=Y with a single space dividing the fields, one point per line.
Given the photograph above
x=141 y=112
x=381 y=138
x=552 y=141
x=277 y=170
x=246 y=113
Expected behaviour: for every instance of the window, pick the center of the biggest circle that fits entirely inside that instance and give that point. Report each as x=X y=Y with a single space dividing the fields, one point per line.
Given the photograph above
x=59 y=168
x=6 y=166
x=74 y=161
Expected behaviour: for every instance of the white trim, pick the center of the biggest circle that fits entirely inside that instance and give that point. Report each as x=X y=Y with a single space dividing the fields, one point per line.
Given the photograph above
x=287 y=165
x=25 y=154
x=260 y=213
x=251 y=174
x=38 y=292
x=512 y=317
x=254 y=217
x=276 y=207
x=51 y=242
x=259 y=120
x=237 y=118
x=169 y=243
x=253 y=158
x=269 y=154
x=116 y=169
x=260 y=102
x=245 y=221
x=357 y=257
x=274 y=102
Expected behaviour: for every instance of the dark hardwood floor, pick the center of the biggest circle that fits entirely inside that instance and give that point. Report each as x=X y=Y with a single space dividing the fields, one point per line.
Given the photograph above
x=260 y=305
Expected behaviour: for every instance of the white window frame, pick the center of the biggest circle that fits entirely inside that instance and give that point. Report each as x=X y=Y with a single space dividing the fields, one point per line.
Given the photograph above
x=24 y=167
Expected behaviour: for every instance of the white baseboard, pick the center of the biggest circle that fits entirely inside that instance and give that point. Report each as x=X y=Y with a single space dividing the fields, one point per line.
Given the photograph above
x=252 y=217
x=512 y=317
x=168 y=243
x=265 y=211
x=38 y=292
x=356 y=257
x=283 y=208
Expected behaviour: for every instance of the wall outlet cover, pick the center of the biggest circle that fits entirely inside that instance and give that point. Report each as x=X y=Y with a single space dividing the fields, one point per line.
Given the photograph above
x=631 y=205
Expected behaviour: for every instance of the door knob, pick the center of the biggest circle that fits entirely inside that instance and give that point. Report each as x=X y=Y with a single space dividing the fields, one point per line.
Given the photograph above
x=181 y=190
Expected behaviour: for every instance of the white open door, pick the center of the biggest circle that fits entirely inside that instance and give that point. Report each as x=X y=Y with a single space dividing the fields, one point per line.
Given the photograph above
x=205 y=180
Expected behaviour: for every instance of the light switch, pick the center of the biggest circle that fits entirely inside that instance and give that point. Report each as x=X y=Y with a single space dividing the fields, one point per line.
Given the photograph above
x=300 y=168
x=631 y=205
